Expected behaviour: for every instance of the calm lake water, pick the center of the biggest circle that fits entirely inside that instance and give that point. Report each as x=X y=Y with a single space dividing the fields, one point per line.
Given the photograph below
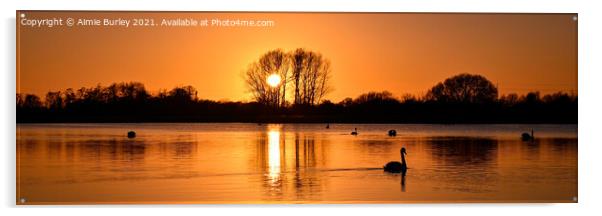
x=293 y=163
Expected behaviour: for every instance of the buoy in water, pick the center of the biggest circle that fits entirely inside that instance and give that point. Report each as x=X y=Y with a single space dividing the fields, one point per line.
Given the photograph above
x=131 y=134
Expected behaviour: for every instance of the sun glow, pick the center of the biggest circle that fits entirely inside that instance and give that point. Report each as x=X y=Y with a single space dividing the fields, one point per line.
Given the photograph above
x=273 y=80
x=274 y=153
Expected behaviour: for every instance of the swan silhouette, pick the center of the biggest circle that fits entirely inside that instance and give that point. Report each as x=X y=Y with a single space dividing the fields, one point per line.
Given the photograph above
x=397 y=167
x=354 y=132
x=528 y=137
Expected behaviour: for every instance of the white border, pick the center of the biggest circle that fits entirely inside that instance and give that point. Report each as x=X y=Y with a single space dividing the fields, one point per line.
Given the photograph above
x=590 y=56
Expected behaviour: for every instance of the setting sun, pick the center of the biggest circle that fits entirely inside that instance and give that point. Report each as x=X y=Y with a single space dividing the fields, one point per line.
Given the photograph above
x=273 y=80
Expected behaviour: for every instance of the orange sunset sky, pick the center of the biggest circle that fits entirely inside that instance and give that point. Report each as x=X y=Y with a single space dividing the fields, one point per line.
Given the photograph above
x=398 y=52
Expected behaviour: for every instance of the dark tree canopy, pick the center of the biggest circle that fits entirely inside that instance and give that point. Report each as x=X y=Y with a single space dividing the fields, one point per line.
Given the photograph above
x=28 y=101
x=376 y=98
x=464 y=88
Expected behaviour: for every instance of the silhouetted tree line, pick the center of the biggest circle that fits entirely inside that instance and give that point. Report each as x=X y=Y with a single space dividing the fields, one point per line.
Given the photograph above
x=464 y=98
x=128 y=102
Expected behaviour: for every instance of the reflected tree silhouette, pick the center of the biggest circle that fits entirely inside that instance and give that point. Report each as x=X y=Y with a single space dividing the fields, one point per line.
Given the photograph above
x=463 y=151
x=457 y=156
x=378 y=145
x=287 y=163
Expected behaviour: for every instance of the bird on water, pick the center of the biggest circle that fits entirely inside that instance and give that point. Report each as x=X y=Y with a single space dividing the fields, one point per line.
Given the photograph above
x=131 y=134
x=396 y=166
x=354 y=132
x=528 y=137
x=392 y=133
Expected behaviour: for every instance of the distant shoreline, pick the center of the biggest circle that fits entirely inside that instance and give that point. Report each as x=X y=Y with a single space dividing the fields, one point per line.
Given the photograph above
x=462 y=99
x=282 y=119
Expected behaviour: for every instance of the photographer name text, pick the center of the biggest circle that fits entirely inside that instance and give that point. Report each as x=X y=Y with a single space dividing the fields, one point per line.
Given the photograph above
x=142 y=22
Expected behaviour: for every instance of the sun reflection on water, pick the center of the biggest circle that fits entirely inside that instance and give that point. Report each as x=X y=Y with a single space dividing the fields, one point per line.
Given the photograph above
x=274 y=153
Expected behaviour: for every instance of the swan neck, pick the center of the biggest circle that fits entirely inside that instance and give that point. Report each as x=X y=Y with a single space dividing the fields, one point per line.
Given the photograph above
x=403 y=159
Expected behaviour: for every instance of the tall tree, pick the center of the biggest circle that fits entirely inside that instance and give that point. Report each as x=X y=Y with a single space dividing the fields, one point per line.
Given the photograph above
x=274 y=62
x=298 y=59
x=311 y=74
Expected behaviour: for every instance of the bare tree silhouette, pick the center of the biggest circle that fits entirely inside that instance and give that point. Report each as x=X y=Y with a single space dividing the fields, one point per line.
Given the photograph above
x=311 y=74
x=273 y=62
x=308 y=71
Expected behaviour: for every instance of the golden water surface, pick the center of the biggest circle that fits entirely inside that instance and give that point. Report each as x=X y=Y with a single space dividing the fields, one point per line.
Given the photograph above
x=293 y=163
